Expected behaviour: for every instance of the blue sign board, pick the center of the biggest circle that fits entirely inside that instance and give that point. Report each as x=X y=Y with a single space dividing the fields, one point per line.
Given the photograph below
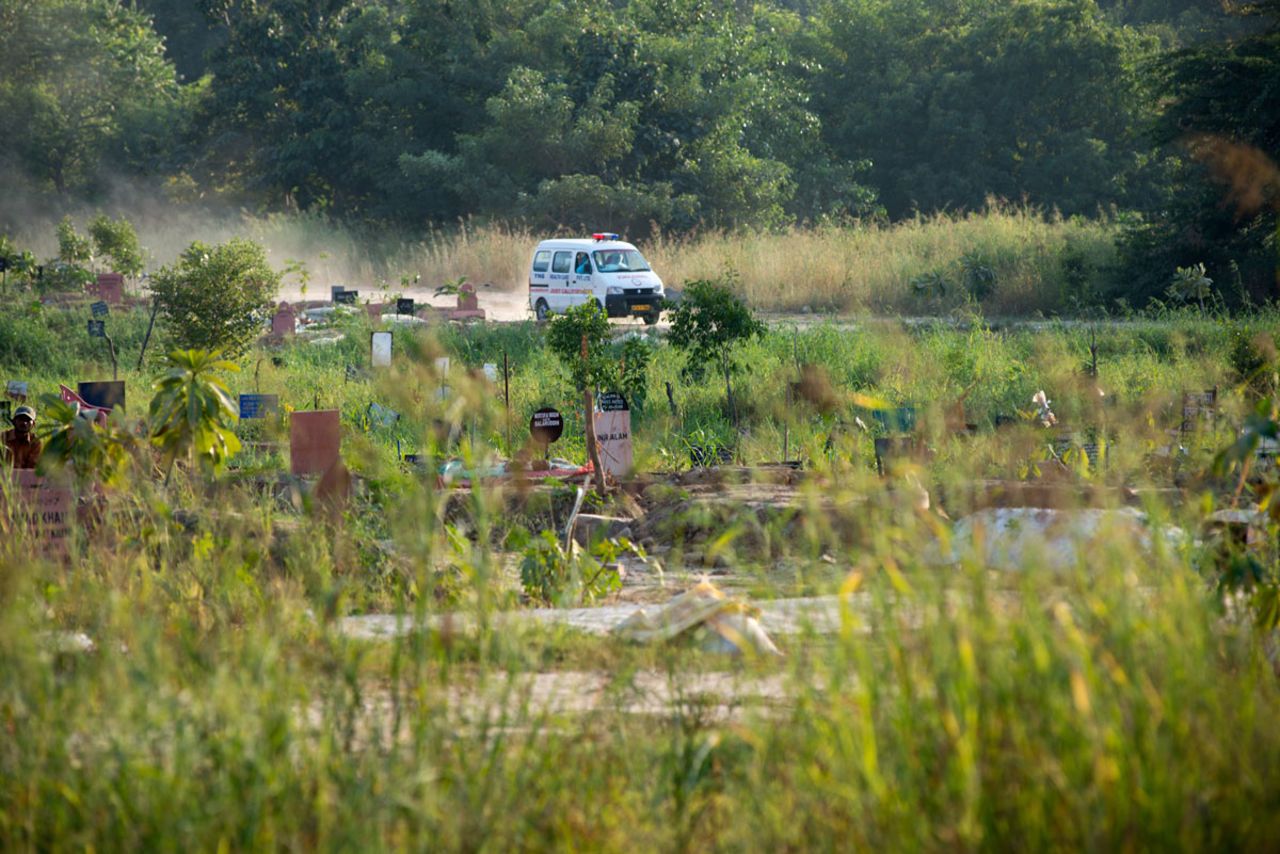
x=99 y=309
x=258 y=405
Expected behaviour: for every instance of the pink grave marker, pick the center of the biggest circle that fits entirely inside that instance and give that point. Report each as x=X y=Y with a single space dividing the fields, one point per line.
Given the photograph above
x=43 y=508
x=315 y=439
x=283 y=322
x=109 y=288
x=467 y=300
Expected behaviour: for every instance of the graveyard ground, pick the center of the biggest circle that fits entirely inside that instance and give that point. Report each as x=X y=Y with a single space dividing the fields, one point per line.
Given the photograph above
x=239 y=658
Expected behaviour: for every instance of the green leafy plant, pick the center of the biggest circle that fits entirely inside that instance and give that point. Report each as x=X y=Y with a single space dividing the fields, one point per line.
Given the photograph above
x=192 y=412
x=931 y=284
x=450 y=288
x=565 y=336
x=89 y=449
x=73 y=247
x=1253 y=574
x=979 y=276
x=1191 y=285
x=552 y=575
x=708 y=326
x=216 y=297
x=117 y=240
x=634 y=371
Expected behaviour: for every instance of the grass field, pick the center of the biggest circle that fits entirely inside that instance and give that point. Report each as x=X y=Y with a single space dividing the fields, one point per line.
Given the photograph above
x=1119 y=702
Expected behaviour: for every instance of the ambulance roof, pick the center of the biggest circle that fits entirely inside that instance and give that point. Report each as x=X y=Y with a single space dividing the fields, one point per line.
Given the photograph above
x=584 y=244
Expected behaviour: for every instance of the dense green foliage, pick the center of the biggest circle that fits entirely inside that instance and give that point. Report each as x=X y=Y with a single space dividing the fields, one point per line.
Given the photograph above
x=216 y=297
x=679 y=115
x=85 y=89
x=708 y=325
x=1221 y=208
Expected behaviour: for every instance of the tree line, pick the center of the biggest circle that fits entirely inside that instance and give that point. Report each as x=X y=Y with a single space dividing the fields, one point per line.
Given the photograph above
x=674 y=114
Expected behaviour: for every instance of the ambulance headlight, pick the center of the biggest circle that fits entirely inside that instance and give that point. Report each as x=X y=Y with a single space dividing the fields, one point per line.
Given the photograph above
x=613 y=290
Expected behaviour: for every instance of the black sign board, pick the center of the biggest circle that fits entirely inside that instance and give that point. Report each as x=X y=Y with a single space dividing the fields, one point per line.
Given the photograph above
x=346 y=297
x=546 y=425
x=97 y=329
x=612 y=401
x=334 y=291
x=404 y=305
x=107 y=394
x=99 y=309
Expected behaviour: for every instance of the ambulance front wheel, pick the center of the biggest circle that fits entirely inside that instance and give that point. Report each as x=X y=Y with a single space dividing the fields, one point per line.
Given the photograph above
x=541 y=310
x=651 y=318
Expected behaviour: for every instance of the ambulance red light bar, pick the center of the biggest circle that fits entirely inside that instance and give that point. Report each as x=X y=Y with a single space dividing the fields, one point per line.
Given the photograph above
x=604 y=235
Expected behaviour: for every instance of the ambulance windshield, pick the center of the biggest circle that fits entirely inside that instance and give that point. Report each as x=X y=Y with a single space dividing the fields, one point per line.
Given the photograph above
x=620 y=261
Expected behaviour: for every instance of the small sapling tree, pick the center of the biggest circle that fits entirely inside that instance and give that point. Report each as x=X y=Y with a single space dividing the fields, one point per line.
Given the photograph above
x=709 y=324
x=580 y=338
x=216 y=297
x=117 y=241
x=192 y=413
x=69 y=271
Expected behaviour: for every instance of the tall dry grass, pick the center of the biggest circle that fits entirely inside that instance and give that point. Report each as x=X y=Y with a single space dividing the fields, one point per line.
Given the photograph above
x=872 y=267
x=1037 y=263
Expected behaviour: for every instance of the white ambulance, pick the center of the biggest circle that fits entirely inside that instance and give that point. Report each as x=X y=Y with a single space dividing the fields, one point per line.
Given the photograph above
x=566 y=273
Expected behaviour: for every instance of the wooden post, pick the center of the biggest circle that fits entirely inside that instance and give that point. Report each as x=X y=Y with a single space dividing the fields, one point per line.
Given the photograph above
x=506 y=396
x=155 y=307
x=115 y=368
x=593 y=453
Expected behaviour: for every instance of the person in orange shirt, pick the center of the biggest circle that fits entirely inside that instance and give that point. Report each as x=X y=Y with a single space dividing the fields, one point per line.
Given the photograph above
x=20 y=447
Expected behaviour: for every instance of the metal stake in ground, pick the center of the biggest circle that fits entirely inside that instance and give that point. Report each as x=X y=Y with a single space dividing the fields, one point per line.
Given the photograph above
x=593 y=453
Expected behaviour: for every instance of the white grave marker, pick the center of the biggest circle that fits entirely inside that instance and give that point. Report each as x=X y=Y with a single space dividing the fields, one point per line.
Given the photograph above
x=380 y=349
x=613 y=434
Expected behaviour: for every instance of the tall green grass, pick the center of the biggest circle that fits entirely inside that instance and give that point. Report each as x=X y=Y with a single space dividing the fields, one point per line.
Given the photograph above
x=1116 y=703
x=1106 y=706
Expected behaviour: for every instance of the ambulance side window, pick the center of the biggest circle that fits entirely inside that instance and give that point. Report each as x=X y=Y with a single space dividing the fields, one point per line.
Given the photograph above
x=561 y=263
x=582 y=264
x=542 y=260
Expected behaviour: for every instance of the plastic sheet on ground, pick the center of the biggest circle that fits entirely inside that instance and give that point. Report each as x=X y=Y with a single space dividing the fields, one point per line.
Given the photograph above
x=731 y=626
x=1016 y=538
x=455 y=471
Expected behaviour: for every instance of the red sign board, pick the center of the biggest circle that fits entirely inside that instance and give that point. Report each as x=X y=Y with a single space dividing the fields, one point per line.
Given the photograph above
x=109 y=288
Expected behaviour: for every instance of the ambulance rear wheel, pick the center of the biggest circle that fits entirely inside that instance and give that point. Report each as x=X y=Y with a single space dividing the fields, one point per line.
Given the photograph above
x=541 y=310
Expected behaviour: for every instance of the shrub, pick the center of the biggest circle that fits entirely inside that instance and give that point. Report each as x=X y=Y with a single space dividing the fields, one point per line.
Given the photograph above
x=216 y=298
x=708 y=325
x=117 y=240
